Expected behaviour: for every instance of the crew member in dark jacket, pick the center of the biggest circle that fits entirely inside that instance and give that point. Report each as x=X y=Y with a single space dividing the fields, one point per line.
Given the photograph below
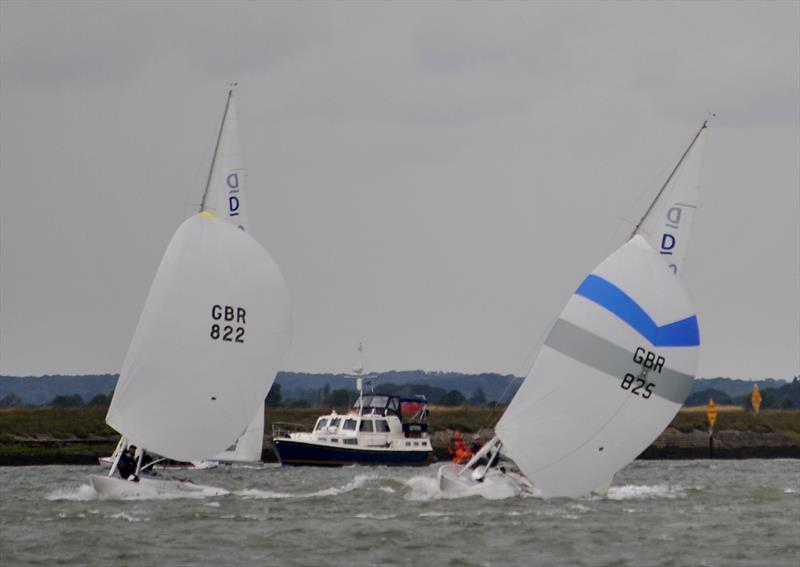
x=127 y=462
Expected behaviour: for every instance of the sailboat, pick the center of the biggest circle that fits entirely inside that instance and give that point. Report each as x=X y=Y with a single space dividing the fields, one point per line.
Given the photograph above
x=209 y=342
x=613 y=371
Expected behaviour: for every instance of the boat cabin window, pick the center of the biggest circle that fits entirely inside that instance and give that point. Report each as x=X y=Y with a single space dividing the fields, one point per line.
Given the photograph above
x=334 y=422
x=381 y=426
x=321 y=423
x=349 y=425
x=366 y=425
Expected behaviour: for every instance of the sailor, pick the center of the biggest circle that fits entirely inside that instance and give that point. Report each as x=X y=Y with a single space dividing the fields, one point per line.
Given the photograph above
x=475 y=446
x=462 y=454
x=452 y=446
x=127 y=463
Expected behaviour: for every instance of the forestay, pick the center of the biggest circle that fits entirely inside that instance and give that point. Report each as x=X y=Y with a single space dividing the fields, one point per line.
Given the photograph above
x=613 y=371
x=209 y=342
x=668 y=222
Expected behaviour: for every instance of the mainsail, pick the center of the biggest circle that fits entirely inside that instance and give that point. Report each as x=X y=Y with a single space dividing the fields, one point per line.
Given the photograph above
x=224 y=194
x=613 y=371
x=668 y=221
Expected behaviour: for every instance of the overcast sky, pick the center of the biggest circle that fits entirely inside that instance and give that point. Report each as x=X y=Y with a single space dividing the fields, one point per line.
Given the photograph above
x=432 y=178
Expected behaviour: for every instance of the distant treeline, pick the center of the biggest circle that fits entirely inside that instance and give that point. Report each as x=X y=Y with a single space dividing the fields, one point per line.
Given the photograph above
x=784 y=396
x=295 y=389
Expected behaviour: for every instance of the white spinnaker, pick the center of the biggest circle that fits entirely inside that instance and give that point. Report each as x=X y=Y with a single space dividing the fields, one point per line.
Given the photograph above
x=249 y=446
x=182 y=393
x=572 y=425
x=224 y=195
x=667 y=224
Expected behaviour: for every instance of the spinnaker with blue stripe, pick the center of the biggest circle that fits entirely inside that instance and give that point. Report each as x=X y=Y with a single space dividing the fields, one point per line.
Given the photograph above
x=610 y=376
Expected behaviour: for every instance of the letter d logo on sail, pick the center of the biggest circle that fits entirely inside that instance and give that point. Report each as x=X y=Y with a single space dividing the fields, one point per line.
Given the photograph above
x=233 y=180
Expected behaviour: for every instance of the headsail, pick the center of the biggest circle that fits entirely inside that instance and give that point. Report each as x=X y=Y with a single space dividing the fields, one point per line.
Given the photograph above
x=248 y=447
x=209 y=342
x=668 y=221
x=612 y=373
x=224 y=194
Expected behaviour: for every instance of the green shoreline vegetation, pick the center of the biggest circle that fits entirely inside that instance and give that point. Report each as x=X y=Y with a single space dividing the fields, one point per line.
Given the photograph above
x=52 y=435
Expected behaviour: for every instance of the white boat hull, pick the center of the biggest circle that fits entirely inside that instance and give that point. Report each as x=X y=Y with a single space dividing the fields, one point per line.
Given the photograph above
x=113 y=487
x=107 y=462
x=495 y=484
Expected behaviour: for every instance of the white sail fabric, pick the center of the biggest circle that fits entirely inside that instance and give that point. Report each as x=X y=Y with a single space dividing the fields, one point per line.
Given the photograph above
x=249 y=446
x=211 y=337
x=669 y=221
x=224 y=195
x=611 y=375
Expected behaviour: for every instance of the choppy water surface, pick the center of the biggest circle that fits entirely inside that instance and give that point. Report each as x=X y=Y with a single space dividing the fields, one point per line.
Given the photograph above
x=722 y=513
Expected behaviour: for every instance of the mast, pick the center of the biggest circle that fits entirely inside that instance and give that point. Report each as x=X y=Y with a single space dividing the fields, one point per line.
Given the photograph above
x=671 y=175
x=216 y=148
x=359 y=374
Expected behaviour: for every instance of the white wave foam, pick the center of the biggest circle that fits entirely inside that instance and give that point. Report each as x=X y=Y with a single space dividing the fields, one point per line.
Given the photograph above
x=82 y=493
x=580 y=508
x=642 y=492
x=123 y=516
x=423 y=489
x=368 y=516
x=434 y=514
x=357 y=482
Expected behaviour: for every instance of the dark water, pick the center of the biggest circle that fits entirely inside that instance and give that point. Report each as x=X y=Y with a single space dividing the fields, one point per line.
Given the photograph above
x=721 y=513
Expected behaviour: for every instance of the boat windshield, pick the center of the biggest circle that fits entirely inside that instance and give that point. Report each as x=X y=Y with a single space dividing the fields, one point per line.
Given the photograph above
x=377 y=404
x=381 y=426
x=349 y=425
x=366 y=426
x=334 y=422
x=321 y=424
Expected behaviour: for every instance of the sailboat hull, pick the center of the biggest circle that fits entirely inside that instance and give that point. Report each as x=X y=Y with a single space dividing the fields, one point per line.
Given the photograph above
x=495 y=485
x=112 y=487
x=108 y=462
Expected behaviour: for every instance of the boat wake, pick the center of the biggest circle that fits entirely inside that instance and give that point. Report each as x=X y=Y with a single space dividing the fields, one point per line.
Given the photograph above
x=644 y=492
x=359 y=481
x=82 y=493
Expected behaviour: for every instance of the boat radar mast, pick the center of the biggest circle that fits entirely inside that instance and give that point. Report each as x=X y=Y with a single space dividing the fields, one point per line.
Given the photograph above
x=358 y=374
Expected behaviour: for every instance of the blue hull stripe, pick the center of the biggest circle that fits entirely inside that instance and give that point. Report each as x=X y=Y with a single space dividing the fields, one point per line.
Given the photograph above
x=683 y=333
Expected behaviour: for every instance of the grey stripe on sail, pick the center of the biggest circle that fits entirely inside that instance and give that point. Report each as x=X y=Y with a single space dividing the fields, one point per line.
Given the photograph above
x=603 y=355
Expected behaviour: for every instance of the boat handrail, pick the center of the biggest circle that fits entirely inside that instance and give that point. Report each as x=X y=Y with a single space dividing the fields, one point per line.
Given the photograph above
x=283 y=428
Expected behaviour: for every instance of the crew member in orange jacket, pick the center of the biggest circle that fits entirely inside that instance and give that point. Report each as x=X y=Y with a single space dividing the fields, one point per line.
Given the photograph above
x=457 y=449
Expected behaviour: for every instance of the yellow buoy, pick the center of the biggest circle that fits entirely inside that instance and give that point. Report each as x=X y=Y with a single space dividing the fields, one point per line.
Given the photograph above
x=711 y=412
x=755 y=398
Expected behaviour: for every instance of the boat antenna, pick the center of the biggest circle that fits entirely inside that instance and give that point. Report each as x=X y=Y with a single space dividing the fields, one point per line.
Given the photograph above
x=216 y=147
x=671 y=175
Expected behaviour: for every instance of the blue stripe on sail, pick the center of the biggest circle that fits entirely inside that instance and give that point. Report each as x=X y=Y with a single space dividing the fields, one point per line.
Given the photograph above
x=605 y=294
